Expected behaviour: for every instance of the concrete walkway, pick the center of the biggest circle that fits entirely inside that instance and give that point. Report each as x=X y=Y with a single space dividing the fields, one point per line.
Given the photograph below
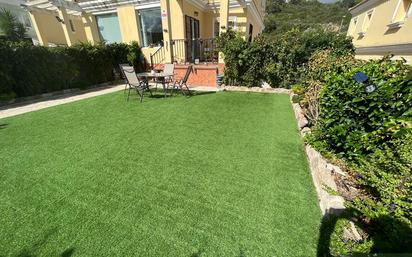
x=38 y=104
x=21 y=108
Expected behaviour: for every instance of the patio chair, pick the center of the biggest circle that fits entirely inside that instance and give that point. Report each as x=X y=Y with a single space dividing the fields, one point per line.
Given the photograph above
x=170 y=69
x=133 y=82
x=182 y=84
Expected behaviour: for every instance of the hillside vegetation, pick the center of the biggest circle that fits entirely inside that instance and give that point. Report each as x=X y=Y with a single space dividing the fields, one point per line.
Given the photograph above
x=301 y=14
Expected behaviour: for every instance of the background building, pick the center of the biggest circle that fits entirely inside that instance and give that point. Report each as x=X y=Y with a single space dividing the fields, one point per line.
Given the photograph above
x=178 y=30
x=381 y=27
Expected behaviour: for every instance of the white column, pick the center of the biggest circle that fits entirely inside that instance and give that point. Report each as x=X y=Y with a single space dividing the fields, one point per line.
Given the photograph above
x=65 y=25
x=223 y=22
x=40 y=33
x=90 y=28
x=167 y=28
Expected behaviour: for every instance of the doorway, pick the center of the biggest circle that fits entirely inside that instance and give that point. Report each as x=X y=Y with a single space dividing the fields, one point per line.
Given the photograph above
x=192 y=35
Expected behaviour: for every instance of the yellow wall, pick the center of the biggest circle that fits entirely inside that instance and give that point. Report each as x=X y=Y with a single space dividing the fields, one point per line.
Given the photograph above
x=378 y=33
x=128 y=23
x=79 y=35
x=49 y=27
x=52 y=31
x=90 y=28
x=190 y=10
x=147 y=51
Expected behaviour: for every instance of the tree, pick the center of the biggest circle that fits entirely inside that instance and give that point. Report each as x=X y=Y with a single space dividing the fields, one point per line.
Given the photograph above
x=12 y=29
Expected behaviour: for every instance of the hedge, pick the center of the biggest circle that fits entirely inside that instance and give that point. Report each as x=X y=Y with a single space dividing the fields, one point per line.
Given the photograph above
x=371 y=132
x=27 y=70
x=277 y=60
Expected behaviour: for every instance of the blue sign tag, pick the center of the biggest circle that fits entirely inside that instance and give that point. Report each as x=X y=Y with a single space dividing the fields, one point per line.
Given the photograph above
x=360 y=77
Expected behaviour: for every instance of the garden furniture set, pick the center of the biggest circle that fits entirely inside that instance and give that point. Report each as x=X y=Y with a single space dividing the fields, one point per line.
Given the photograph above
x=140 y=81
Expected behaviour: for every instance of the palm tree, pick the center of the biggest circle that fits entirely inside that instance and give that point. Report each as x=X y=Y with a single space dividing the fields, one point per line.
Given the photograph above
x=11 y=28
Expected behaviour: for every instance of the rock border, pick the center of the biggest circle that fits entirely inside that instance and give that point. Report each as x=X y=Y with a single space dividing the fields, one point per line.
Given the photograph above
x=255 y=89
x=323 y=172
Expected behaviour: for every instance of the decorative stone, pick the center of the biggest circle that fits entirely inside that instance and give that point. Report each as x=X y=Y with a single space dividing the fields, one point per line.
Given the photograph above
x=301 y=119
x=351 y=233
x=265 y=85
x=335 y=169
x=257 y=89
x=304 y=131
x=321 y=171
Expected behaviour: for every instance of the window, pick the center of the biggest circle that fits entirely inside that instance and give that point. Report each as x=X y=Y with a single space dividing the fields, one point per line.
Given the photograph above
x=250 y=32
x=151 y=26
x=72 y=26
x=216 y=28
x=367 y=20
x=232 y=24
x=402 y=11
x=109 y=28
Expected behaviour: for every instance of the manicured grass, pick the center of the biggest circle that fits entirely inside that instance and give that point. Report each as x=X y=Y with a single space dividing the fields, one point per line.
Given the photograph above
x=221 y=174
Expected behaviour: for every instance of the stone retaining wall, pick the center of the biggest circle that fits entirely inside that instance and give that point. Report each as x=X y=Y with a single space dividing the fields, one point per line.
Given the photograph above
x=256 y=89
x=322 y=172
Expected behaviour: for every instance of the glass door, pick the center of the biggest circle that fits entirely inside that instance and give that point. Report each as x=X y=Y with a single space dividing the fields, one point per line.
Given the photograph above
x=192 y=34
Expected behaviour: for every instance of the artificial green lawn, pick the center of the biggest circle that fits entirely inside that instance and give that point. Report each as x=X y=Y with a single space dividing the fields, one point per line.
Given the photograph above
x=220 y=174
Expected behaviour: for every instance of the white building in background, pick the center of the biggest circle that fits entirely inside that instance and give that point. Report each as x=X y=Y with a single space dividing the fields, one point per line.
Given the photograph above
x=22 y=15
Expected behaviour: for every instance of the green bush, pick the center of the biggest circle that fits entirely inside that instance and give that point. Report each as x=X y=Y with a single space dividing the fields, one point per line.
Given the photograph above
x=28 y=70
x=293 y=50
x=243 y=60
x=353 y=122
x=321 y=64
x=372 y=133
x=386 y=179
x=277 y=60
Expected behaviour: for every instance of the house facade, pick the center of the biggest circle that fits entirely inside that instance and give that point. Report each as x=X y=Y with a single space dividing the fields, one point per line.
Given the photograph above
x=178 y=31
x=382 y=27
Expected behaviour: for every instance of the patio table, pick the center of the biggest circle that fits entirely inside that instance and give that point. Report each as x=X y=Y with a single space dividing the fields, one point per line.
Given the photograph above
x=160 y=76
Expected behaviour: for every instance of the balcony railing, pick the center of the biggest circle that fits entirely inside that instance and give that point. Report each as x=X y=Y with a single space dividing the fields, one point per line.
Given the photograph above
x=157 y=57
x=187 y=51
x=190 y=50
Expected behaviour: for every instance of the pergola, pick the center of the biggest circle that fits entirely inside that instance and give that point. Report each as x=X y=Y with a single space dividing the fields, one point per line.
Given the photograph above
x=76 y=7
x=71 y=7
x=85 y=9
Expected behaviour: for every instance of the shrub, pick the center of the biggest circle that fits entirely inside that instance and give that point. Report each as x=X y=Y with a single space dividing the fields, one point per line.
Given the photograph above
x=386 y=179
x=372 y=133
x=10 y=26
x=277 y=60
x=320 y=65
x=28 y=70
x=241 y=58
x=353 y=122
x=294 y=48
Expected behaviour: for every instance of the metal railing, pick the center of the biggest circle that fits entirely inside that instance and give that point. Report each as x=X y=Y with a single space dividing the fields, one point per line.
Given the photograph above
x=157 y=57
x=189 y=50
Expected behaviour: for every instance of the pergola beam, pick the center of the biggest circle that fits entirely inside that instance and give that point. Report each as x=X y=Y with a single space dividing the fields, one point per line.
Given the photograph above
x=53 y=5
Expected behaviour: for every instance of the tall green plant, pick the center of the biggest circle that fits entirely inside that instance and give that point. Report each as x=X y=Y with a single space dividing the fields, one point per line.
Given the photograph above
x=10 y=26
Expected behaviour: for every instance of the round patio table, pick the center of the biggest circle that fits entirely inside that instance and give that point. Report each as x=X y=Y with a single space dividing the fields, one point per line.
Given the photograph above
x=158 y=77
